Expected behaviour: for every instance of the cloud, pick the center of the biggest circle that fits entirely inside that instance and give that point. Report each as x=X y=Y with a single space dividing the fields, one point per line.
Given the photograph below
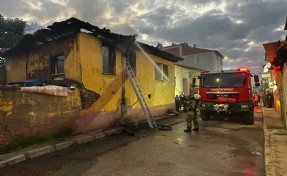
x=236 y=29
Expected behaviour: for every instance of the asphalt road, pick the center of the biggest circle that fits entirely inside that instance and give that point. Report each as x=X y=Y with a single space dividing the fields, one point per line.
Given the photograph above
x=219 y=148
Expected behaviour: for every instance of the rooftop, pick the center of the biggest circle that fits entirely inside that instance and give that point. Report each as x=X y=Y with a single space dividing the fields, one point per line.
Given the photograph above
x=188 y=50
x=73 y=26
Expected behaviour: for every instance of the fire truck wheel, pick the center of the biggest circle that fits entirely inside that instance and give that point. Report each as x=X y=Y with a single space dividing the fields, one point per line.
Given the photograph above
x=205 y=116
x=250 y=120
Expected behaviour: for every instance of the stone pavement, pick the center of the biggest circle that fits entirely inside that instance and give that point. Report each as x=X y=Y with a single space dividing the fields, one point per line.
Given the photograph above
x=275 y=135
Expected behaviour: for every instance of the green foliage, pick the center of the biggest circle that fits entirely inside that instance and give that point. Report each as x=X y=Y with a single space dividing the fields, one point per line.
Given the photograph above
x=11 y=31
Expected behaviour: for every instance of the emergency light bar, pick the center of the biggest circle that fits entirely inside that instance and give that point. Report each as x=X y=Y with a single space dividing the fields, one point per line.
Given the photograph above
x=242 y=69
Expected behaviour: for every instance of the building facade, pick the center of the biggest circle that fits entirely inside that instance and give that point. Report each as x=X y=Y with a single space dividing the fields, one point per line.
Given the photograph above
x=204 y=59
x=276 y=54
x=89 y=65
x=183 y=80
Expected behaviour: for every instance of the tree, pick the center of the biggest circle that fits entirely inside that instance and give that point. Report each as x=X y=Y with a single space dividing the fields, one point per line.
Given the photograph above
x=11 y=31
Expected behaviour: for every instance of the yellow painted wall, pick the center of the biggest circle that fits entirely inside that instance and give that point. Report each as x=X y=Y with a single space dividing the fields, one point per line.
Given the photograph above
x=38 y=62
x=109 y=87
x=73 y=68
x=83 y=63
x=26 y=114
x=16 y=69
x=162 y=92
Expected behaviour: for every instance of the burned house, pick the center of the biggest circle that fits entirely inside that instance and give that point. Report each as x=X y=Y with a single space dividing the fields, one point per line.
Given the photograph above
x=72 y=77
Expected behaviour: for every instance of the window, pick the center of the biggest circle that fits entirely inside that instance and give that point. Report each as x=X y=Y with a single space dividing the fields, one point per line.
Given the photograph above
x=109 y=59
x=58 y=65
x=224 y=80
x=161 y=71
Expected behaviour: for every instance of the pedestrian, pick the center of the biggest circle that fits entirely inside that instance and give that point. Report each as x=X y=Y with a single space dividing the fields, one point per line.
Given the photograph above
x=259 y=98
x=182 y=100
x=255 y=100
x=264 y=98
x=192 y=105
x=270 y=100
x=177 y=103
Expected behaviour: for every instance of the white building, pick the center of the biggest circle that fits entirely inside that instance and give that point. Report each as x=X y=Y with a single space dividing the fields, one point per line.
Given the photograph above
x=183 y=80
x=204 y=59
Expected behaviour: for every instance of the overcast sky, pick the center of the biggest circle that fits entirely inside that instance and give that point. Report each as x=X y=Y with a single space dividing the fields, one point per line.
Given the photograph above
x=235 y=28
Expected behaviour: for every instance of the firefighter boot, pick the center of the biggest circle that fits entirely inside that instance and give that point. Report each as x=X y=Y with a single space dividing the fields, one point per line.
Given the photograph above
x=188 y=129
x=196 y=129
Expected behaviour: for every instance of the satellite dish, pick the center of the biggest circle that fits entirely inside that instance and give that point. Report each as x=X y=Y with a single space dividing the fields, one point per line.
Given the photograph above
x=266 y=67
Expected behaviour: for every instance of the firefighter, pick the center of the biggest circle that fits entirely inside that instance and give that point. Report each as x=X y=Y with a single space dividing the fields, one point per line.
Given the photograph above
x=177 y=103
x=192 y=105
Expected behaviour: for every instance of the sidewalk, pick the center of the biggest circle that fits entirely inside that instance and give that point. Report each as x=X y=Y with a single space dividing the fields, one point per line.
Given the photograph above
x=50 y=147
x=275 y=136
x=45 y=148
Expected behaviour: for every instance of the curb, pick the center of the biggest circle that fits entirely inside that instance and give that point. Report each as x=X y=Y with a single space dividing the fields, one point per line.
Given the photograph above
x=268 y=155
x=266 y=138
x=80 y=139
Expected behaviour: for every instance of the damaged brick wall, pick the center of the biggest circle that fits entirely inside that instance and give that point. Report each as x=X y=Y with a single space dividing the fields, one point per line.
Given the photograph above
x=27 y=114
x=39 y=63
x=88 y=98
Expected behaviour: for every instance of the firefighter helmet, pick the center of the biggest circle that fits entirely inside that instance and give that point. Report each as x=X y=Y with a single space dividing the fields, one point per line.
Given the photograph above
x=196 y=96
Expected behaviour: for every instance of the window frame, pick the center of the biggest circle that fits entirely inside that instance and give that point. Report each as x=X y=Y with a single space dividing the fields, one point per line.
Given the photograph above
x=55 y=66
x=110 y=59
x=164 y=69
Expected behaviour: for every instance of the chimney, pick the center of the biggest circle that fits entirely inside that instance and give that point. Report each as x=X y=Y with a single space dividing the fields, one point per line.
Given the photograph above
x=194 y=45
x=159 y=45
x=184 y=44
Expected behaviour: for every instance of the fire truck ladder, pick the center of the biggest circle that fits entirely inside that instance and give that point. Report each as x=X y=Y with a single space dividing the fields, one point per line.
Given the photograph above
x=149 y=118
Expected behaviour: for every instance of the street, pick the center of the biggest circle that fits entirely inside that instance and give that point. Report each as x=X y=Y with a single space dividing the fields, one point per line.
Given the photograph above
x=220 y=148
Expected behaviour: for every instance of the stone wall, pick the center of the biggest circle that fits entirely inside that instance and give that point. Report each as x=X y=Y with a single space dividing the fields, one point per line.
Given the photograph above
x=24 y=115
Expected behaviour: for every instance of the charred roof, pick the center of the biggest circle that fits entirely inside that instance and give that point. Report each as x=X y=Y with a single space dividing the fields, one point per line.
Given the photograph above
x=73 y=26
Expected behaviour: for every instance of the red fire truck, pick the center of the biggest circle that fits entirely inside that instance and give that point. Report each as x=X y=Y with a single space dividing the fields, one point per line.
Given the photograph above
x=226 y=93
